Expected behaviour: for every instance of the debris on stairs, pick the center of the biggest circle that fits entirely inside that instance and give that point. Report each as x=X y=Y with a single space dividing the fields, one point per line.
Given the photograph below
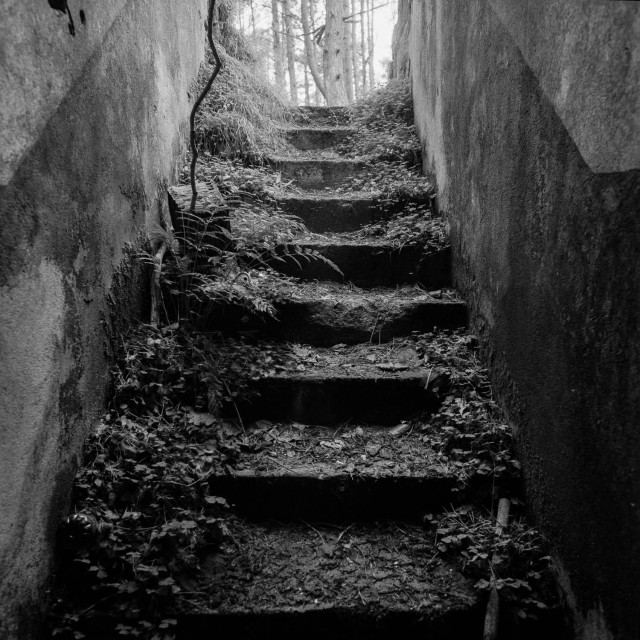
x=362 y=463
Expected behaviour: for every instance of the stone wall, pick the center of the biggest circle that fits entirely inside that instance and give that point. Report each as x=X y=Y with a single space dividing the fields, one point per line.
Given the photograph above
x=529 y=115
x=92 y=127
x=400 y=63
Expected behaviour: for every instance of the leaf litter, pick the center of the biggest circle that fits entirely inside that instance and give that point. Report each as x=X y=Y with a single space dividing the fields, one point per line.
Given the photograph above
x=146 y=539
x=313 y=566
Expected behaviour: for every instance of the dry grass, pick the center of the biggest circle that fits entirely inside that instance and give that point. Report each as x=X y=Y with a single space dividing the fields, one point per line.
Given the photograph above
x=242 y=116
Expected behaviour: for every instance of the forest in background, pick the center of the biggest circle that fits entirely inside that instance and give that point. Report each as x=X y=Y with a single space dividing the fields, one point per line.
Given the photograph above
x=317 y=52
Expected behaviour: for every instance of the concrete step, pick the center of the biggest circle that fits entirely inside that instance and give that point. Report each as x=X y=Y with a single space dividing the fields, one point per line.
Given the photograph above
x=318 y=174
x=340 y=213
x=354 y=581
x=319 y=137
x=332 y=398
x=369 y=263
x=334 y=116
x=298 y=580
x=291 y=471
x=326 y=313
x=330 y=212
x=368 y=383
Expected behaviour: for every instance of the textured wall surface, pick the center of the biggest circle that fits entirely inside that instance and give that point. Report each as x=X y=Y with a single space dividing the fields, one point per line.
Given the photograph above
x=92 y=126
x=529 y=114
x=400 y=63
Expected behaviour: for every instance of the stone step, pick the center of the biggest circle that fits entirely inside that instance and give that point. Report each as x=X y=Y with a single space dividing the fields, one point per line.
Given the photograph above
x=334 y=398
x=291 y=471
x=326 y=313
x=369 y=263
x=331 y=212
x=319 y=137
x=339 y=213
x=318 y=174
x=299 y=580
x=339 y=116
x=368 y=383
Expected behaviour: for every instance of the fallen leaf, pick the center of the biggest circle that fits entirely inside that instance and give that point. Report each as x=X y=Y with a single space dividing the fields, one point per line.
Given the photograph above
x=206 y=419
x=337 y=445
x=403 y=427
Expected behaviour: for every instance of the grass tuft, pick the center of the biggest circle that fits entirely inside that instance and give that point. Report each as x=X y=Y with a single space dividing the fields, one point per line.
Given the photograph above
x=384 y=125
x=242 y=116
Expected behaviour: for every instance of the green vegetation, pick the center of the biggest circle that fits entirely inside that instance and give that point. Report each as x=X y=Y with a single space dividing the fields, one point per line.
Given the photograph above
x=515 y=560
x=144 y=516
x=242 y=116
x=384 y=125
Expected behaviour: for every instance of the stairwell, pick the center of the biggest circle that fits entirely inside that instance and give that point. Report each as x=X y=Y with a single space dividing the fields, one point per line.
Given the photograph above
x=332 y=499
x=363 y=466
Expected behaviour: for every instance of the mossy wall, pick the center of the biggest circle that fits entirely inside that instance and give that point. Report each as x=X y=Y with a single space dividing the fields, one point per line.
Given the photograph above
x=528 y=114
x=93 y=122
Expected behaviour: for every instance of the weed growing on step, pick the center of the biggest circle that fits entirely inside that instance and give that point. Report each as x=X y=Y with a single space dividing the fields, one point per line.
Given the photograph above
x=385 y=133
x=384 y=125
x=391 y=181
x=515 y=559
x=242 y=116
x=235 y=178
x=413 y=226
x=468 y=432
x=470 y=439
x=222 y=255
x=143 y=512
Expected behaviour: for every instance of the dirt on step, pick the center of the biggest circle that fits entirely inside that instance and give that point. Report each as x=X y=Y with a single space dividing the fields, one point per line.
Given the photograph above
x=421 y=352
x=390 y=567
x=273 y=448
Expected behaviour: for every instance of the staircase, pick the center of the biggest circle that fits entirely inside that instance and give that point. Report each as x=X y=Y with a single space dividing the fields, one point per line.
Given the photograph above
x=362 y=463
x=330 y=542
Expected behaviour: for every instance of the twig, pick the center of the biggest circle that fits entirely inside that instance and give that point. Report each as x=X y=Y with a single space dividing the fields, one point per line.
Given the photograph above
x=280 y=464
x=492 y=616
x=319 y=534
x=155 y=284
x=359 y=13
x=235 y=406
x=345 y=531
x=426 y=384
x=375 y=325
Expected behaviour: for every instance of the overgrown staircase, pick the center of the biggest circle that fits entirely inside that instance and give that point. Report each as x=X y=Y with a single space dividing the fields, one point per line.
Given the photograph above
x=330 y=538
x=363 y=475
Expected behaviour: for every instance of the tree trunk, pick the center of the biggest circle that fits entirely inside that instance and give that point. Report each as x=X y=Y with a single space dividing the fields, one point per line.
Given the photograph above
x=226 y=14
x=307 y=90
x=363 y=46
x=347 y=49
x=333 y=56
x=318 y=95
x=308 y=45
x=291 y=51
x=253 y=17
x=372 y=73
x=354 y=50
x=278 y=51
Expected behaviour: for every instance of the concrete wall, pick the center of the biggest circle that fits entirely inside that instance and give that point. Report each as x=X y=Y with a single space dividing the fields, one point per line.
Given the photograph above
x=92 y=127
x=400 y=62
x=529 y=114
